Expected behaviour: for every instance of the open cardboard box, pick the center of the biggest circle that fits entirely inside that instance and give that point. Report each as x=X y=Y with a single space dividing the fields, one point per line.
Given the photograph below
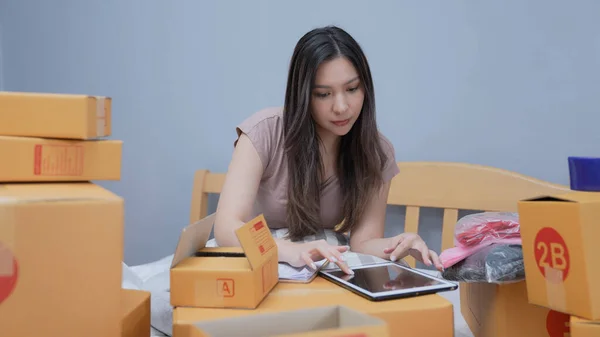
x=226 y=277
x=428 y=315
x=560 y=252
x=338 y=321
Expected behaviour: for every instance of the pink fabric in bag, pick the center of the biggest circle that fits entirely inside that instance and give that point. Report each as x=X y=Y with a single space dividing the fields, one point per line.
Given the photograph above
x=452 y=256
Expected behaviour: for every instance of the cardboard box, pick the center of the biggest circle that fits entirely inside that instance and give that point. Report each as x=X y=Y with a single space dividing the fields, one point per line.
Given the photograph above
x=61 y=247
x=224 y=277
x=428 y=315
x=560 y=251
x=329 y=321
x=27 y=159
x=48 y=115
x=493 y=310
x=584 y=328
x=135 y=313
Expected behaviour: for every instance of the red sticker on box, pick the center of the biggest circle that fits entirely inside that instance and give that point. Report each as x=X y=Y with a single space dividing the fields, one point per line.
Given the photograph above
x=9 y=272
x=262 y=237
x=58 y=160
x=225 y=287
x=551 y=252
x=557 y=324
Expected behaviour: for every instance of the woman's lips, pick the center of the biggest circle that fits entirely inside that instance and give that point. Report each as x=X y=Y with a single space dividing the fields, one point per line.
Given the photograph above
x=342 y=123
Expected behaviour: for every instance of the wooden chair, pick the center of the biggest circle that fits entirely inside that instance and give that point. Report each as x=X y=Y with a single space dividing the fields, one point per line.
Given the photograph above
x=450 y=186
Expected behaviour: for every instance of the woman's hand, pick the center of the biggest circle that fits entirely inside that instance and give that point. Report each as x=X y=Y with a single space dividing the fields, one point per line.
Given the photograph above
x=305 y=254
x=411 y=244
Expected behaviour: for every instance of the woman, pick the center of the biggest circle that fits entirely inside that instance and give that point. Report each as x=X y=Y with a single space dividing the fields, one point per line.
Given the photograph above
x=318 y=162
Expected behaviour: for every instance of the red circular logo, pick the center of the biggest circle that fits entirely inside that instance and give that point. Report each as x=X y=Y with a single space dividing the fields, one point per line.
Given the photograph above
x=557 y=324
x=551 y=254
x=9 y=272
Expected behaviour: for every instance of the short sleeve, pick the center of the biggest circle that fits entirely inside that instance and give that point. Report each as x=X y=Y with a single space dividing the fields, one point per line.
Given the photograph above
x=262 y=129
x=390 y=169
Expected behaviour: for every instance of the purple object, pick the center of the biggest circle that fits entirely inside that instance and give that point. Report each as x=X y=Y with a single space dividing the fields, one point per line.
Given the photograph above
x=584 y=173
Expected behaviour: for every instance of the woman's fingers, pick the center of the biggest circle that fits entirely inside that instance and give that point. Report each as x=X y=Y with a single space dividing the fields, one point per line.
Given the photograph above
x=422 y=248
x=308 y=260
x=400 y=251
x=394 y=244
x=333 y=255
x=436 y=260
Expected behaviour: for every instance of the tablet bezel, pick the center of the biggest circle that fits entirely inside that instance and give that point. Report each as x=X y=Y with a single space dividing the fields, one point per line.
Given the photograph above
x=391 y=294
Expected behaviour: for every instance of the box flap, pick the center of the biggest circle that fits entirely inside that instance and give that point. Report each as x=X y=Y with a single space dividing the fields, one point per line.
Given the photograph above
x=193 y=238
x=575 y=196
x=257 y=241
x=54 y=192
x=288 y=322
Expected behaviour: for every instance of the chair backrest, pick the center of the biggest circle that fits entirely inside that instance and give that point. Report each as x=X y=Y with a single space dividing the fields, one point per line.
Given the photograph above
x=458 y=186
x=450 y=186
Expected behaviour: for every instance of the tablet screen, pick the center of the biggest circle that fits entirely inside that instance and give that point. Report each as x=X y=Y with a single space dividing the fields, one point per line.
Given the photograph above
x=383 y=278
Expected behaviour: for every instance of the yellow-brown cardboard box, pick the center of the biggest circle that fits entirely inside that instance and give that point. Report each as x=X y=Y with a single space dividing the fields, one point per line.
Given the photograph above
x=329 y=321
x=584 y=328
x=135 y=313
x=48 y=115
x=560 y=251
x=224 y=277
x=61 y=247
x=493 y=310
x=27 y=159
x=428 y=315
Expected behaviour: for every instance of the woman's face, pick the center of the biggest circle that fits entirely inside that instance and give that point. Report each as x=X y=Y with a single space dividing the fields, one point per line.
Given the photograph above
x=337 y=97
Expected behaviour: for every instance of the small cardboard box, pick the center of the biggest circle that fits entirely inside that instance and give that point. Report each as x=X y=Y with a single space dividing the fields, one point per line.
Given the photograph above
x=584 y=328
x=49 y=115
x=428 y=315
x=493 y=310
x=560 y=252
x=135 y=313
x=338 y=321
x=61 y=247
x=224 y=277
x=26 y=159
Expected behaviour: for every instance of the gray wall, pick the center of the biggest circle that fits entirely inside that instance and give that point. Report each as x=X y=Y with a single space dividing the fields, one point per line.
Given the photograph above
x=501 y=83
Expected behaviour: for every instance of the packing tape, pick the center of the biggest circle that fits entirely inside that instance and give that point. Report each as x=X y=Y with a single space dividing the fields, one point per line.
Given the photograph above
x=555 y=289
x=100 y=117
x=7 y=237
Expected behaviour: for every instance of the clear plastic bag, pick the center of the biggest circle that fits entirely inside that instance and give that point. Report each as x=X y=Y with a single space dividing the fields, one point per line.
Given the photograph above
x=481 y=228
x=496 y=263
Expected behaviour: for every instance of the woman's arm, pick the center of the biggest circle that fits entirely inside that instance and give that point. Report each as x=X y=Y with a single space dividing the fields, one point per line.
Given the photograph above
x=236 y=200
x=236 y=204
x=368 y=238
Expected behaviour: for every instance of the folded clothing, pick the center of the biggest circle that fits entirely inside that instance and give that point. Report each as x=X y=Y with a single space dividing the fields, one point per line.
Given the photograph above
x=475 y=229
x=495 y=263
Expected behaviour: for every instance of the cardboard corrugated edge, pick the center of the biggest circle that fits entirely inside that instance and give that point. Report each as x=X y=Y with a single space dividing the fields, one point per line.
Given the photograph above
x=193 y=238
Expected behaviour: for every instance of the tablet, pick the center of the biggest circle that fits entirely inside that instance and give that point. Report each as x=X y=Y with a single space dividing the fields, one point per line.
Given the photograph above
x=388 y=281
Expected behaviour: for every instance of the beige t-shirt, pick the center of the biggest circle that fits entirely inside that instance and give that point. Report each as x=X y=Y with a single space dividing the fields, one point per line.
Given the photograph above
x=265 y=130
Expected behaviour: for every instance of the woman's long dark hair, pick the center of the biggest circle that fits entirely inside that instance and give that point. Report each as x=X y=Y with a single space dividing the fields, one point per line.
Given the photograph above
x=361 y=158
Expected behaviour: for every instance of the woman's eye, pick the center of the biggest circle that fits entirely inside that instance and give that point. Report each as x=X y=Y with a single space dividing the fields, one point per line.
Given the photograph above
x=322 y=95
x=353 y=89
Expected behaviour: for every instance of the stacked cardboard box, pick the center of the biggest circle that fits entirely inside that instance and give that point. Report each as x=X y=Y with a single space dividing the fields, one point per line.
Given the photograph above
x=561 y=255
x=561 y=293
x=61 y=236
